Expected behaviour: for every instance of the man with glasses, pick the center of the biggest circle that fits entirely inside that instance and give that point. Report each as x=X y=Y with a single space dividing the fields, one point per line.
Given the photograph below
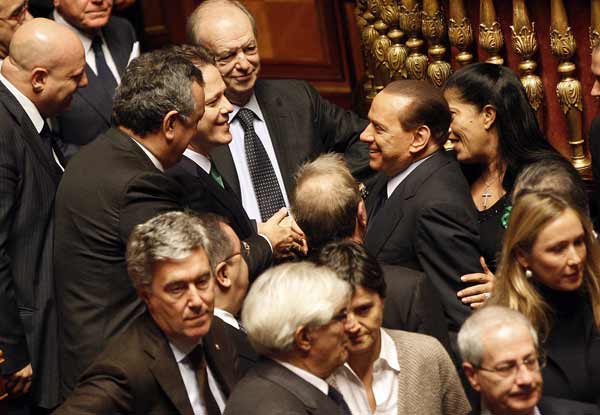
x=12 y=15
x=276 y=124
x=503 y=362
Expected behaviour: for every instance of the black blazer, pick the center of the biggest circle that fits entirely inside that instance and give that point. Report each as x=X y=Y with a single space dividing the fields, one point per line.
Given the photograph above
x=28 y=181
x=413 y=304
x=109 y=187
x=429 y=224
x=138 y=374
x=90 y=112
x=247 y=356
x=203 y=194
x=302 y=125
x=271 y=389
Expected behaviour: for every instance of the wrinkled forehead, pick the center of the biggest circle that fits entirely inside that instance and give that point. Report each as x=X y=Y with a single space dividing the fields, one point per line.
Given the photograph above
x=507 y=342
x=225 y=28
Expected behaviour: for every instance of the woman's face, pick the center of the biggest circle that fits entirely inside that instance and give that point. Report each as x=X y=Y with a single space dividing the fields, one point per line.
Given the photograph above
x=558 y=255
x=469 y=130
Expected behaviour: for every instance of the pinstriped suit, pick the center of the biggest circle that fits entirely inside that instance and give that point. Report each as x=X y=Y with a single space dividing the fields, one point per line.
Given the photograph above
x=28 y=182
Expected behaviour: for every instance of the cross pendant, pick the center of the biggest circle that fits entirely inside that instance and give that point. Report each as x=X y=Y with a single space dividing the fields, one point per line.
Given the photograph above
x=485 y=197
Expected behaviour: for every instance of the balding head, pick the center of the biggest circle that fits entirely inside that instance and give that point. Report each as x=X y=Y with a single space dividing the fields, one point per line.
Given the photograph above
x=46 y=63
x=210 y=11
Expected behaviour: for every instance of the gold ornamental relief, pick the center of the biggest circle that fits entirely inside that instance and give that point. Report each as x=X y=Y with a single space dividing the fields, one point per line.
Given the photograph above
x=594 y=38
x=410 y=20
x=373 y=6
x=416 y=66
x=524 y=42
x=396 y=58
x=460 y=34
x=438 y=72
x=568 y=91
x=380 y=48
x=389 y=12
x=490 y=37
x=562 y=44
x=534 y=89
x=433 y=25
x=369 y=35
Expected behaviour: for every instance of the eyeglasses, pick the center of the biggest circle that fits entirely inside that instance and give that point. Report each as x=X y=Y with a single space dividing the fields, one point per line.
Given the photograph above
x=234 y=56
x=18 y=15
x=510 y=369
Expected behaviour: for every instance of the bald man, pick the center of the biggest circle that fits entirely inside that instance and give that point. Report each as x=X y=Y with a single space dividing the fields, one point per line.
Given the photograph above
x=44 y=68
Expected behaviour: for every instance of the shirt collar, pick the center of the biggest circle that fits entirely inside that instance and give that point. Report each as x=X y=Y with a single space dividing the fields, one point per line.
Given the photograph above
x=389 y=353
x=86 y=40
x=227 y=317
x=151 y=156
x=252 y=104
x=316 y=381
x=180 y=352
x=393 y=183
x=486 y=411
x=200 y=159
x=28 y=106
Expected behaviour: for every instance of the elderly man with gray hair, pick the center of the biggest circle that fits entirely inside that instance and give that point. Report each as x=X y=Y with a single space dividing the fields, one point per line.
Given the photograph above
x=502 y=361
x=295 y=315
x=174 y=358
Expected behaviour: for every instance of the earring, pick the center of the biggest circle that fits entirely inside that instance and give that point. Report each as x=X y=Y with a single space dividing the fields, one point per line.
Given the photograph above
x=528 y=273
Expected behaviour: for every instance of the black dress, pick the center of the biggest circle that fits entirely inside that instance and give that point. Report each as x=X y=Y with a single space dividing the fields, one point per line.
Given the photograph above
x=491 y=231
x=572 y=348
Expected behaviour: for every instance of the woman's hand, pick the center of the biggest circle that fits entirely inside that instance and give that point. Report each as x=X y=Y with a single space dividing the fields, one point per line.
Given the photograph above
x=476 y=295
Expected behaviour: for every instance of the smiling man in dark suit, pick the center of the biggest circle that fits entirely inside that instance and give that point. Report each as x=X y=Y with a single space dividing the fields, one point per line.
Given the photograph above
x=110 y=44
x=420 y=212
x=276 y=124
x=111 y=185
x=44 y=68
x=175 y=358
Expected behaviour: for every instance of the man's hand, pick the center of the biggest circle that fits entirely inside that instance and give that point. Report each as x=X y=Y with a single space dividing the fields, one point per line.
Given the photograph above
x=284 y=237
x=477 y=295
x=18 y=383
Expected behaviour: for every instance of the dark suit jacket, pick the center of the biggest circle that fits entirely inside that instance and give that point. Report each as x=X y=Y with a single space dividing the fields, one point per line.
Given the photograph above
x=90 y=112
x=595 y=153
x=107 y=189
x=28 y=181
x=138 y=374
x=413 y=304
x=247 y=356
x=429 y=224
x=203 y=194
x=555 y=406
x=271 y=389
x=302 y=125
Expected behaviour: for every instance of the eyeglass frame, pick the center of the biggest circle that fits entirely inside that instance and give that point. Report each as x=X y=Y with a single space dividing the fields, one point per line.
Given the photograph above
x=514 y=366
x=247 y=50
x=18 y=15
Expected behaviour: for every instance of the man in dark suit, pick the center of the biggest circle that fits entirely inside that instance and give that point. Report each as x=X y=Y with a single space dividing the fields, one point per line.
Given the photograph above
x=301 y=342
x=113 y=184
x=276 y=125
x=501 y=359
x=175 y=358
x=110 y=44
x=206 y=190
x=328 y=206
x=420 y=210
x=42 y=72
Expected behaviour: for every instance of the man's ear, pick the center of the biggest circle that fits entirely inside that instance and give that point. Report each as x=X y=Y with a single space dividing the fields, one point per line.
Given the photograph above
x=302 y=339
x=420 y=139
x=169 y=124
x=489 y=116
x=144 y=295
x=472 y=376
x=222 y=275
x=521 y=258
x=39 y=76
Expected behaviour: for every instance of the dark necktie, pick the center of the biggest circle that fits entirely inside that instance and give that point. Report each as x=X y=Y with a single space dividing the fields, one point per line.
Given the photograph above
x=214 y=173
x=339 y=400
x=50 y=142
x=198 y=363
x=264 y=180
x=104 y=74
x=378 y=205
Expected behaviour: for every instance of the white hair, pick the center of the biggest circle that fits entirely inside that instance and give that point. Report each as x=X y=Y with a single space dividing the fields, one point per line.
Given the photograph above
x=287 y=297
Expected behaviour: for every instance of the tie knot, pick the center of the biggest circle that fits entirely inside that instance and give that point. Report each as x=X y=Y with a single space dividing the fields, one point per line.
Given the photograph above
x=196 y=357
x=97 y=43
x=246 y=117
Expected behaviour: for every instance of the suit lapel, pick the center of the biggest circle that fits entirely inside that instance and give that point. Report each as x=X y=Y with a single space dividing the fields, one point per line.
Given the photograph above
x=275 y=114
x=223 y=159
x=29 y=133
x=164 y=368
x=221 y=356
x=119 y=54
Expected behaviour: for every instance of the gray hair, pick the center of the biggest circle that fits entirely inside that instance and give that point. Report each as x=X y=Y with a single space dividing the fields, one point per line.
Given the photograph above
x=491 y=317
x=169 y=236
x=154 y=84
x=325 y=200
x=221 y=246
x=193 y=23
x=287 y=297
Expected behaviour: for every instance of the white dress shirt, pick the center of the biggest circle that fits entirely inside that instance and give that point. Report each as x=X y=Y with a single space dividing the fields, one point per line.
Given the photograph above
x=395 y=181
x=90 y=58
x=30 y=109
x=316 y=381
x=200 y=159
x=227 y=317
x=385 y=382
x=190 y=381
x=238 y=153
